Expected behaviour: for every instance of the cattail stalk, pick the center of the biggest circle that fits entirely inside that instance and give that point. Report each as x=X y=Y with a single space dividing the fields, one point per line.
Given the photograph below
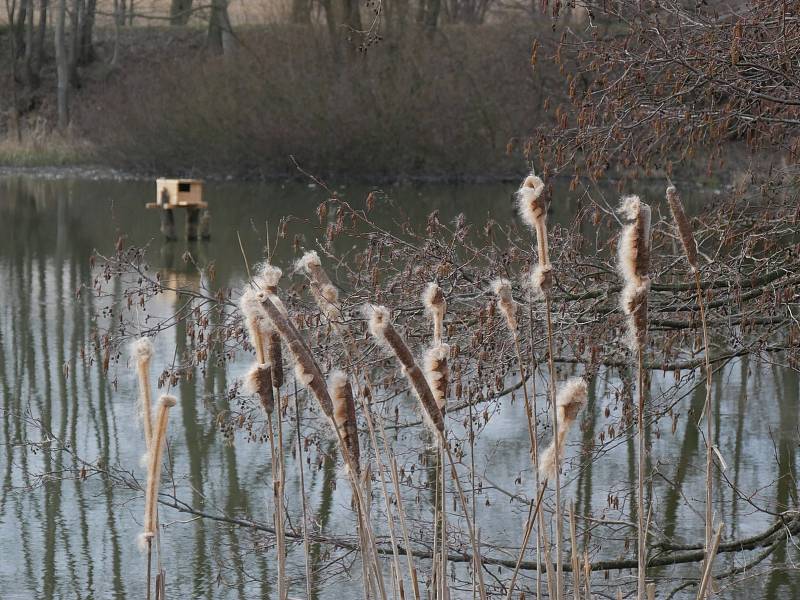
x=309 y=374
x=265 y=380
x=143 y=354
x=508 y=307
x=154 y=476
x=533 y=211
x=438 y=376
x=634 y=266
x=319 y=279
x=381 y=328
x=690 y=250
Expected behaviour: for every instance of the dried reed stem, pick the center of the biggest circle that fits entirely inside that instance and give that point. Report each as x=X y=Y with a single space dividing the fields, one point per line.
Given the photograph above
x=689 y=244
x=711 y=554
x=533 y=512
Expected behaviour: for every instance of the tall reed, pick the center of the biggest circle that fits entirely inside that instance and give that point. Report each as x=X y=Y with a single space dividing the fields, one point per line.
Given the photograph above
x=309 y=374
x=261 y=381
x=329 y=305
x=154 y=477
x=437 y=373
x=383 y=331
x=508 y=308
x=634 y=266
x=689 y=244
x=533 y=211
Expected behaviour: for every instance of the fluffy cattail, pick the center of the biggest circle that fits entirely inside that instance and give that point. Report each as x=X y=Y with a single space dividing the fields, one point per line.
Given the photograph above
x=305 y=365
x=267 y=277
x=684 y=228
x=634 y=243
x=505 y=302
x=380 y=326
x=325 y=293
x=634 y=265
x=255 y=320
x=311 y=264
x=435 y=305
x=275 y=358
x=259 y=382
x=154 y=465
x=533 y=211
x=344 y=413
x=438 y=374
x=569 y=402
x=142 y=350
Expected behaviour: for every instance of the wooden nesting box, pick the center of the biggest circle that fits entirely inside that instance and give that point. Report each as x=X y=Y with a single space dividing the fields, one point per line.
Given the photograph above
x=178 y=193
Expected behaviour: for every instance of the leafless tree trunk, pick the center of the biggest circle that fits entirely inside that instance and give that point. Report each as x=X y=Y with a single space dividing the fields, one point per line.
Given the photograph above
x=62 y=66
x=38 y=55
x=220 y=32
x=301 y=12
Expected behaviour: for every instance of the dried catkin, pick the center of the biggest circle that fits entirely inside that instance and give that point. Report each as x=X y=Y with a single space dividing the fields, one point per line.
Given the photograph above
x=505 y=302
x=142 y=350
x=381 y=328
x=684 y=227
x=634 y=265
x=259 y=382
x=569 y=402
x=154 y=465
x=305 y=365
x=436 y=306
x=438 y=374
x=344 y=412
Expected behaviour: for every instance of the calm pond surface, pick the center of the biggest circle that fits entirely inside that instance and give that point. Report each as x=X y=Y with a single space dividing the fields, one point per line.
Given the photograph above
x=68 y=538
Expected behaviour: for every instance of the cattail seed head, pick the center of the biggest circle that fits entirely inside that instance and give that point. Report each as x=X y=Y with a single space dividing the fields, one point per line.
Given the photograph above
x=569 y=402
x=505 y=302
x=344 y=414
x=532 y=209
x=529 y=203
x=306 y=367
x=684 y=227
x=383 y=331
x=259 y=382
x=435 y=306
x=438 y=374
x=634 y=265
x=634 y=244
x=142 y=350
x=267 y=277
x=312 y=266
x=541 y=279
x=275 y=358
x=255 y=320
x=154 y=465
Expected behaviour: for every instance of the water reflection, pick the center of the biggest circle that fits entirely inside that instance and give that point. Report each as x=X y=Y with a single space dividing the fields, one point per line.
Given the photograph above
x=76 y=537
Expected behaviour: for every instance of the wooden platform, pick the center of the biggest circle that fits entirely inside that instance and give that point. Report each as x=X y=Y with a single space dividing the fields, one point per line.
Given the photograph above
x=176 y=205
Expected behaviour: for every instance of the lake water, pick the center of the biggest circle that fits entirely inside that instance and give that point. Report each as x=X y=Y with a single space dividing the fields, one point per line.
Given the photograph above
x=65 y=537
